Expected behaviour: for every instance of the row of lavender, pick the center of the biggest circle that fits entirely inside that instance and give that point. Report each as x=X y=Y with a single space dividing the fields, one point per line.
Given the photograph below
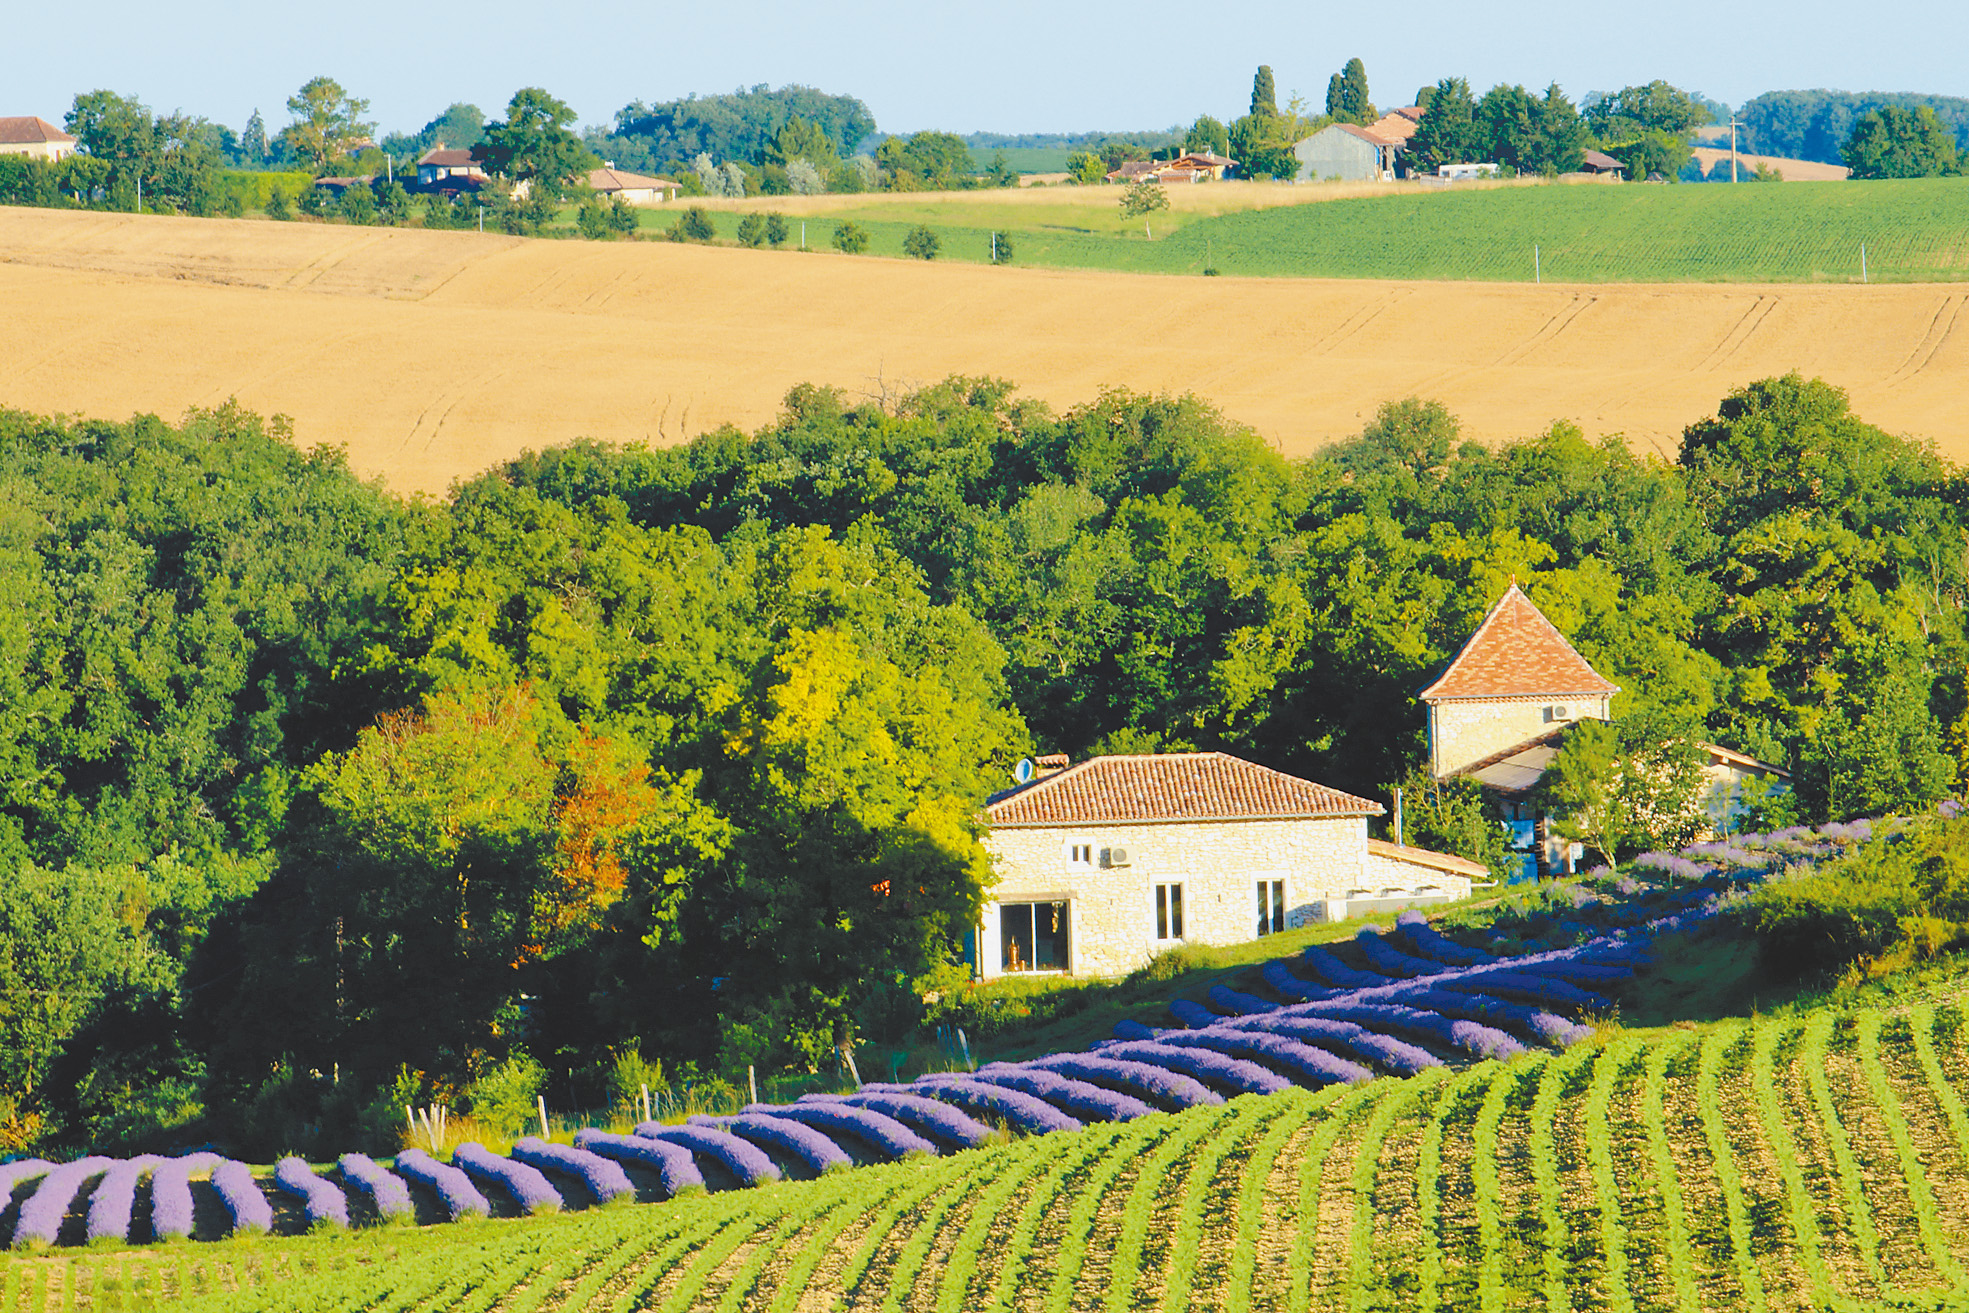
x=1423 y=1000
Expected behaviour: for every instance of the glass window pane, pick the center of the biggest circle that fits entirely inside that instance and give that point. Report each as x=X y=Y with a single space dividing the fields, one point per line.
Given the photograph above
x=1015 y=935
x=1278 y=907
x=1264 y=908
x=1162 y=911
x=1176 y=911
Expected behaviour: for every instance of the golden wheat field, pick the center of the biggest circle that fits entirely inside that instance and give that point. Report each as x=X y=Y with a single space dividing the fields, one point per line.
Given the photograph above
x=430 y=355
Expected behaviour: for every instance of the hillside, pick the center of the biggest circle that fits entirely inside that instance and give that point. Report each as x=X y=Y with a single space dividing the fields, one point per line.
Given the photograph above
x=1783 y=1162
x=432 y=355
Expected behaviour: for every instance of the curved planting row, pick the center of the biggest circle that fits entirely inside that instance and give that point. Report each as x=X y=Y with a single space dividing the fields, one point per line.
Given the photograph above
x=1424 y=1000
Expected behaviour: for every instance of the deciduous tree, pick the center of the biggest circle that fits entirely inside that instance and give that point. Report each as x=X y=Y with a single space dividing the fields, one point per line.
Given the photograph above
x=1891 y=142
x=534 y=145
x=327 y=124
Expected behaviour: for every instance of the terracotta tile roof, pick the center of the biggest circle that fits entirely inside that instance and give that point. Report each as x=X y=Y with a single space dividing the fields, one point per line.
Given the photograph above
x=1171 y=786
x=1516 y=653
x=445 y=158
x=27 y=129
x=1434 y=861
x=617 y=180
x=1594 y=159
x=1371 y=134
x=1396 y=126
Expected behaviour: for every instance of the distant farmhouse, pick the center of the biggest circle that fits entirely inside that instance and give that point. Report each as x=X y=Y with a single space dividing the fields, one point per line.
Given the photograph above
x=36 y=138
x=1197 y=166
x=1500 y=710
x=1103 y=864
x=633 y=188
x=1355 y=154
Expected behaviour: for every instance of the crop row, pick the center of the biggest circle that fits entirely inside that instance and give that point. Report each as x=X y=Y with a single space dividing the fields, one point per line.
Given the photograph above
x=1778 y=1163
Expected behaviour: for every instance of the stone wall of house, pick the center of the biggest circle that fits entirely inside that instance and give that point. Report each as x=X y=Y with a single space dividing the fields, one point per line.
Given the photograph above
x=1464 y=732
x=1112 y=908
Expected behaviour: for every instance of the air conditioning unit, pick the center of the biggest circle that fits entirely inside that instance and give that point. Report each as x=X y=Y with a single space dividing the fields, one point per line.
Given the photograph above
x=1560 y=712
x=1115 y=857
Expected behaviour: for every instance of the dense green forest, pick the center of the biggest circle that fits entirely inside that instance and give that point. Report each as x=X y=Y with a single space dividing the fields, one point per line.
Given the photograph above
x=318 y=800
x=1815 y=125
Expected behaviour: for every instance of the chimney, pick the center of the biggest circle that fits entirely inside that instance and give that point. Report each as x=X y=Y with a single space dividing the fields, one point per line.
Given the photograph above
x=1051 y=764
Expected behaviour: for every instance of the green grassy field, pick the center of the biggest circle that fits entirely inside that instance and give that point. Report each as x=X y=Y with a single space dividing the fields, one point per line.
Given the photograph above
x=1913 y=231
x=1811 y=1159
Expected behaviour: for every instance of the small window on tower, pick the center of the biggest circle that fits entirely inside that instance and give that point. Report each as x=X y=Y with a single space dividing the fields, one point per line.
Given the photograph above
x=1080 y=854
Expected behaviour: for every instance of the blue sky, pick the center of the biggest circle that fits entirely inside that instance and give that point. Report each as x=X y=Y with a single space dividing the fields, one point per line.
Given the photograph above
x=1010 y=65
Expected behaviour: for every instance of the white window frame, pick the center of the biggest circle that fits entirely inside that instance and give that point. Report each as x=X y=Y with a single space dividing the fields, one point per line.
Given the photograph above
x=1166 y=912
x=1082 y=852
x=1270 y=894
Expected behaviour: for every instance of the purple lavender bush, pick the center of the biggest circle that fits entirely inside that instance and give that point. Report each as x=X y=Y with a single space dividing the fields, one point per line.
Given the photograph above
x=1077 y=1098
x=882 y=1133
x=1302 y=1062
x=40 y=1220
x=1280 y=978
x=983 y=1099
x=1333 y=971
x=675 y=1169
x=1472 y=1037
x=461 y=1199
x=927 y=1117
x=533 y=1192
x=241 y=1194
x=325 y=1205
x=1429 y=942
x=1236 y=1003
x=1396 y=1056
x=390 y=1196
x=1158 y=1085
x=1192 y=1014
x=1530 y=989
x=170 y=1194
x=1390 y=961
x=602 y=1177
x=741 y=1158
x=1207 y=1065
x=115 y=1198
x=797 y=1139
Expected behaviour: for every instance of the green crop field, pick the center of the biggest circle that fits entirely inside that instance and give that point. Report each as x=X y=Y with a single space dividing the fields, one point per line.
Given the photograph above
x=1797 y=1161
x=1913 y=231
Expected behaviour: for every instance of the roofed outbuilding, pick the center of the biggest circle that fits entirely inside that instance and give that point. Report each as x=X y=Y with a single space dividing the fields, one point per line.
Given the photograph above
x=35 y=137
x=1103 y=864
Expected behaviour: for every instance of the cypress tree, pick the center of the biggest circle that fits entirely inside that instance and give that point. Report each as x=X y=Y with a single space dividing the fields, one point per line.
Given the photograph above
x=1264 y=95
x=1353 y=92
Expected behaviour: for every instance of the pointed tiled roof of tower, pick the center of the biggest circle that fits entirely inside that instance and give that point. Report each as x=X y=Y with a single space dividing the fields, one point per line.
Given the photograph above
x=1516 y=653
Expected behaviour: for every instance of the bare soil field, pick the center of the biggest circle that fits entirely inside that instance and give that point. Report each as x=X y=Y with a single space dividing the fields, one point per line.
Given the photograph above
x=431 y=355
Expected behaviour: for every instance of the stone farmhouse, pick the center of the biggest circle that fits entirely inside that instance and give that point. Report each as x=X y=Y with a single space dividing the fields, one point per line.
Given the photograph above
x=633 y=188
x=1500 y=710
x=36 y=138
x=1103 y=864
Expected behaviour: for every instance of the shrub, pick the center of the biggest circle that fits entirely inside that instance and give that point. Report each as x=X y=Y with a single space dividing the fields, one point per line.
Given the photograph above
x=278 y=206
x=1884 y=906
x=752 y=230
x=776 y=230
x=693 y=225
x=358 y=204
x=1000 y=250
x=921 y=244
x=502 y=1099
x=850 y=239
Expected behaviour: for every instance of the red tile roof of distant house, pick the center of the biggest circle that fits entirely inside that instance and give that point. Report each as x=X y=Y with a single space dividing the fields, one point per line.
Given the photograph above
x=1170 y=786
x=606 y=179
x=1396 y=126
x=27 y=128
x=1594 y=159
x=448 y=159
x=1516 y=652
x=1371 y=134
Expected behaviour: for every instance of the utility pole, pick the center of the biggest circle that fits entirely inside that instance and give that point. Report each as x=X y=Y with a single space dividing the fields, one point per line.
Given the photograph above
x=1734 y=125
x=1537 y=270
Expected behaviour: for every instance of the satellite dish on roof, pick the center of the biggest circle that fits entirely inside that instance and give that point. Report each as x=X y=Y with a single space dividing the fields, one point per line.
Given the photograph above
x=1024 y=771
